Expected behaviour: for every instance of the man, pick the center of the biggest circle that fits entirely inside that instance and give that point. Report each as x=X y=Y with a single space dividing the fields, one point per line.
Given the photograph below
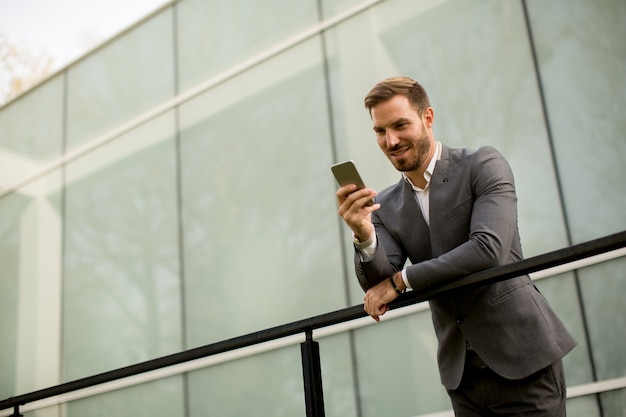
x=454 y=212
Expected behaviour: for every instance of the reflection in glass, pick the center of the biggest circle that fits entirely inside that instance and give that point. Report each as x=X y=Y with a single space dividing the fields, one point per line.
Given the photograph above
x=11 y=209
x=122 y=280
x=581 y=53
x=260 y=221
x=269 y=384
x=123 y=80
x=216 y=35
x=163 y=397
x=30 y=282
x=31 y=132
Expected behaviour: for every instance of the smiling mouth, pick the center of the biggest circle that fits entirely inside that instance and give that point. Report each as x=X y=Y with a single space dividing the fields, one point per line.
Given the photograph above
x=398 y=152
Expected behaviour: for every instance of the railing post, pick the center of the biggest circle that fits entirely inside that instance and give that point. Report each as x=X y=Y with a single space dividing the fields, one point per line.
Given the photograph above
x=16 y=412
x=312 y=374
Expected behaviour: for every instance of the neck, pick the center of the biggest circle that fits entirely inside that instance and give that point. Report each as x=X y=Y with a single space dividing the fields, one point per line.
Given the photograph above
x=417 y=177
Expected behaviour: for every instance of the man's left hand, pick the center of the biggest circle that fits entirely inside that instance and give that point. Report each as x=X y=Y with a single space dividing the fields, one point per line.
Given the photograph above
x=377 y=298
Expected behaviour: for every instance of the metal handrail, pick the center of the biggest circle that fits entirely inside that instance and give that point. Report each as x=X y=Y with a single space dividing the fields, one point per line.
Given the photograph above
x=500 y=273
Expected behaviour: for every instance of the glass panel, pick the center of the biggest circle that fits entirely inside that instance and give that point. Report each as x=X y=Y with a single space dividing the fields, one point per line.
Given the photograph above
x=583 y=407
x=164 y=397
x=410 y=361
x=561 y=293
x=122 y=287
x=613 y=403
x=31 y=131
x=45 y=412
x=53 y=411
x=331 y=8
x=260 y=222
x=269 y=384
x=216 y=35
x=602 y=289
x=122 y=80
x=11 y=209
x=338 y=375
x=580 y=47
x=30 y=284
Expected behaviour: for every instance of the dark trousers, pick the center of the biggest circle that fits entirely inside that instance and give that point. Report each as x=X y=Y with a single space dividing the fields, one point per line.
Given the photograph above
x=484 y=393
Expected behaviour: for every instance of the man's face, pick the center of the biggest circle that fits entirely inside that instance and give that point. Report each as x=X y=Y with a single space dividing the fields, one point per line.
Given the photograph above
x=403 y=136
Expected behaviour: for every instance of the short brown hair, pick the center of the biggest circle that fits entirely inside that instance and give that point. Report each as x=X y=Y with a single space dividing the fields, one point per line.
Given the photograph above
x=393 y=86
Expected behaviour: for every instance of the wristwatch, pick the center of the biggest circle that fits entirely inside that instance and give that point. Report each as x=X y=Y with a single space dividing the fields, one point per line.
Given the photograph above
x=394 y=286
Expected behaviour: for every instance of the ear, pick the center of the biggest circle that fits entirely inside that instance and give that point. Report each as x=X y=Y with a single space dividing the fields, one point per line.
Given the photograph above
x=429 y=117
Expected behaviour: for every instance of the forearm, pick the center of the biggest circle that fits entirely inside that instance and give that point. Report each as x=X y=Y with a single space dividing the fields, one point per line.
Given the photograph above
x=492 y=237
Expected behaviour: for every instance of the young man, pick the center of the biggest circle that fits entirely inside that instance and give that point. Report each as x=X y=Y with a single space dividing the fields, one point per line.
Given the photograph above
x=453 y=213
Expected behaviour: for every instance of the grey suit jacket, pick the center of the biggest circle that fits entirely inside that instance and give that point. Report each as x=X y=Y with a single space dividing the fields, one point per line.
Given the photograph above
x=473 y=226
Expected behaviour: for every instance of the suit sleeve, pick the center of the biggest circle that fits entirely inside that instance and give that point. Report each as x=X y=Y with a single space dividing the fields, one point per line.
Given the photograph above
x=378 y=267
x=492 y=217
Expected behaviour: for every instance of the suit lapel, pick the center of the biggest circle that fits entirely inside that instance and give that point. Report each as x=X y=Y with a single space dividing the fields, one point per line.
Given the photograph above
x=437 y=197
x=416 y=237
x=438 y=182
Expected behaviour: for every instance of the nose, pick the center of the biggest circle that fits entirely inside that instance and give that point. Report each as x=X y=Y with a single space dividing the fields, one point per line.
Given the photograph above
x=391 y=139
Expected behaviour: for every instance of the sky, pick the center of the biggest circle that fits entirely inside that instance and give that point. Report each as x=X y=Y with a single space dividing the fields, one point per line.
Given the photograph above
x=66 y=29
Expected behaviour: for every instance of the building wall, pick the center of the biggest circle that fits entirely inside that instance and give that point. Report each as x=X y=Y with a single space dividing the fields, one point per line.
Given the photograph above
x=172 y=189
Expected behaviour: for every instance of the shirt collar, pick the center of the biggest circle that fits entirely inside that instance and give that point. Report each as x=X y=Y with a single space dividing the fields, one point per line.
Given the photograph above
x=429 y=169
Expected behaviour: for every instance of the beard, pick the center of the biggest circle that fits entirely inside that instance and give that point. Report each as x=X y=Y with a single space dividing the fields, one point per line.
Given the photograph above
x=421 y=148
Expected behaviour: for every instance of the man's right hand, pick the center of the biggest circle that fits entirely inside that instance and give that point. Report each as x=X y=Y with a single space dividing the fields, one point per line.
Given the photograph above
x=355 y=210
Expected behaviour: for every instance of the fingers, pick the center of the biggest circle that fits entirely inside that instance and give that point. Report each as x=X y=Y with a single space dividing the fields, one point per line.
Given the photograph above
x=349 y=198
x=375 y=302
x=376 y=312
x=354 y=209
x=379 y=312
x=373 y=305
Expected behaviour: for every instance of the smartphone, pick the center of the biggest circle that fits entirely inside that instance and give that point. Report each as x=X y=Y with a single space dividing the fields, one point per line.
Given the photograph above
x=346 y=173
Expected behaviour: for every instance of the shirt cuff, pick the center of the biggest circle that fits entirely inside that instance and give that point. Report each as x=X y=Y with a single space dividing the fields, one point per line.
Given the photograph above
x=366 y=249
x=406 y=280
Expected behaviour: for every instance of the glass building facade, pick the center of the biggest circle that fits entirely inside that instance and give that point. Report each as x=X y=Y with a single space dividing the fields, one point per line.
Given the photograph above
x=172 y=189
